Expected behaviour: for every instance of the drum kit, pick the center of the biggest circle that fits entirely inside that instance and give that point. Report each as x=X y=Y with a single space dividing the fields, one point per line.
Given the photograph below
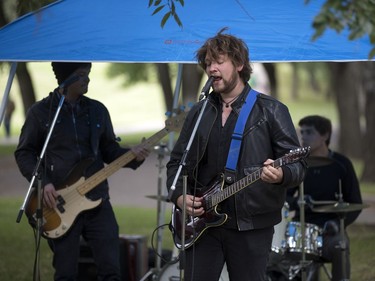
x=303 y=242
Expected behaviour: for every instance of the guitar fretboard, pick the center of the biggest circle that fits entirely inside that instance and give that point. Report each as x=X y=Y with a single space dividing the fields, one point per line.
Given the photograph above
x=117 y=164
x=230 y=190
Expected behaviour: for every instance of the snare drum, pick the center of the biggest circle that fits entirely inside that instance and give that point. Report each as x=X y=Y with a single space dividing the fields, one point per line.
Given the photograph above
x=171 y=272
x=313 y=240
x=278 y=240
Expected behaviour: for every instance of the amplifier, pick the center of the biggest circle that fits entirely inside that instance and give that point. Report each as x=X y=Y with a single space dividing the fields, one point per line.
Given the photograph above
x=134 y=252
x=133 y=259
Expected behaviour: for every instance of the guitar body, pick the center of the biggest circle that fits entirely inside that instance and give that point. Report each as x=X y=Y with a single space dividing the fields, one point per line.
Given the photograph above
x=71 y=199
x=195 y=226
x=57 y=221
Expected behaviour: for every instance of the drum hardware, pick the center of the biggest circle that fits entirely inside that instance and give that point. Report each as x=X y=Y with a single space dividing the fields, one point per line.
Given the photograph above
x=158 y=197
x=302 y=203
x=162 y=151
x=313 y=202
x=341 y=208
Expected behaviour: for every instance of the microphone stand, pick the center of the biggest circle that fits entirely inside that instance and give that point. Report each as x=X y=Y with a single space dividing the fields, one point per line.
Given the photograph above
x=39 y=210
x=204 y=95
x=342 y=244
x=302 y=204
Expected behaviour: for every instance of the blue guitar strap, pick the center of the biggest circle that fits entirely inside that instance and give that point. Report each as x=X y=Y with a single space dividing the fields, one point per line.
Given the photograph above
x=235 y=145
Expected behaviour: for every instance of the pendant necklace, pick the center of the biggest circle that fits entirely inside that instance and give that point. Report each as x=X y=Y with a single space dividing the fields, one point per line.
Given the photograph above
x=227 y=104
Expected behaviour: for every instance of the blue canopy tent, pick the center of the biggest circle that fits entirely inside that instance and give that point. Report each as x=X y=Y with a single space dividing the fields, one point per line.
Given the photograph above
x=126 y=31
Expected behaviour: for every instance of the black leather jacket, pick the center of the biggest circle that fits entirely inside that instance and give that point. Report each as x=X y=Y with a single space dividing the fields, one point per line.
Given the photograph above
x=269 y=133
x=81 y=133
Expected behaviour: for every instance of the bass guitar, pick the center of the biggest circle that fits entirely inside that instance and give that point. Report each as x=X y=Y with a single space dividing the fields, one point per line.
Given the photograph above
x=71 y=199
x=195 y=226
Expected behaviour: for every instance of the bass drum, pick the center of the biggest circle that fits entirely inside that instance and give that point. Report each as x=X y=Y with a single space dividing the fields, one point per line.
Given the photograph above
x=171 y=272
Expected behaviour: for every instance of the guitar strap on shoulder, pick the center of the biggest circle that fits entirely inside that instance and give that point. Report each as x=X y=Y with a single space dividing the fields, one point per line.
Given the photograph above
x=235 y=145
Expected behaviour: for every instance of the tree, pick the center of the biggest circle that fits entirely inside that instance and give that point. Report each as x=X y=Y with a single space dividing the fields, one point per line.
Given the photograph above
x=368 y=83
x=355 y=16
x=133 y=73
x=358 y=18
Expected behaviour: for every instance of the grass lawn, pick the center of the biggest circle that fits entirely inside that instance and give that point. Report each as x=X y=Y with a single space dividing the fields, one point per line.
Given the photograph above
x=135 y=112
x=17 y=245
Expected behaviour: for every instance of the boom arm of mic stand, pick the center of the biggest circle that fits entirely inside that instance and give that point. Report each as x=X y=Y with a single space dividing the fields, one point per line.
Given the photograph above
x=182 y=163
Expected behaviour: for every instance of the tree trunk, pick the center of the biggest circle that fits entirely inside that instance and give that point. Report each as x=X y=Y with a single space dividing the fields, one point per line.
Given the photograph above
x=368 y=71
x=26 y=86
x=191 y=80
x=271 y=71
x=295 y=81
x=345 y=85
x=165 y=82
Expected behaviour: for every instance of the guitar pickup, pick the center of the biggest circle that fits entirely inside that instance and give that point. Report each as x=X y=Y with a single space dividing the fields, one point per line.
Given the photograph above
x=61 y=199
x=60 y=204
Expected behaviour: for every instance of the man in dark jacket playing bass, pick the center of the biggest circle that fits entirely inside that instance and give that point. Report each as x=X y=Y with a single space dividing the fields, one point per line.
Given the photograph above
x=81 y=142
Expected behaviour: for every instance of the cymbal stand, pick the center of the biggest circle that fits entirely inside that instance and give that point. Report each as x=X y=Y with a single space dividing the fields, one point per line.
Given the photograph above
x=342 y=245
x=162 y=151
x=302 y=203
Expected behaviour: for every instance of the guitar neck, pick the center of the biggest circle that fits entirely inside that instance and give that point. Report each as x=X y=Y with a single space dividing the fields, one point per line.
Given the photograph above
x=232 y=189
x=113 y=167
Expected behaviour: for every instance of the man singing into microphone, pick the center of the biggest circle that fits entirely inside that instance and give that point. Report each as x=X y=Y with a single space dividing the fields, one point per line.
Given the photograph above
x=244 y=240
x=83 y=130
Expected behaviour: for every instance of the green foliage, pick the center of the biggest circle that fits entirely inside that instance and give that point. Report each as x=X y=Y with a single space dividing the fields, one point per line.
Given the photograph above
x=131 y=73
x=171 y=10
x=355 y=16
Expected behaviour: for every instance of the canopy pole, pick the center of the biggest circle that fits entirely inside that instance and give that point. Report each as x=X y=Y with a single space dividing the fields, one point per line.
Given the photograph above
x=4 y=102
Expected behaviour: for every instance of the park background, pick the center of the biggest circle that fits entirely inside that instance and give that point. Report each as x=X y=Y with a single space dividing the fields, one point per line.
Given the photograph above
x=136 y=111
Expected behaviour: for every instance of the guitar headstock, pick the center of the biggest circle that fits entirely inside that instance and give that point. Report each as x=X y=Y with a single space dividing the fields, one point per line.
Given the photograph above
x=296 y=155
x=175 y=122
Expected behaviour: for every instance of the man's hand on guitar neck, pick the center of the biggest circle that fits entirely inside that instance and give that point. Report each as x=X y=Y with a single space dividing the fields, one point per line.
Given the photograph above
x=140 y=151
x=193 y=205
x=49 y=195
x=271 y=174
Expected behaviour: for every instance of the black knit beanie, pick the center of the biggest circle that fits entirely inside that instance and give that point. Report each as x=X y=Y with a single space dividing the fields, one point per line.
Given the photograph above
x=63 y=70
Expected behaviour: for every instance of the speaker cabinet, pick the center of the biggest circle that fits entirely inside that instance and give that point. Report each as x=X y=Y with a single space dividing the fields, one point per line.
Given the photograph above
x=133 y=259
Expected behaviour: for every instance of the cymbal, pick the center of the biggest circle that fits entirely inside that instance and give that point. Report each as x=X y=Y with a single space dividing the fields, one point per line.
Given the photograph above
x=340 y=207
x=318 y=161
x=157 y=197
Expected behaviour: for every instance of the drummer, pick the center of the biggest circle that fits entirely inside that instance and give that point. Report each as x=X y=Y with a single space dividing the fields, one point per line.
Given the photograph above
x=330 y=177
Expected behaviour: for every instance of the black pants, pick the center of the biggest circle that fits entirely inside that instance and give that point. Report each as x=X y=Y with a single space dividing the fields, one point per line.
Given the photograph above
x=100 y=230
x=244 y=252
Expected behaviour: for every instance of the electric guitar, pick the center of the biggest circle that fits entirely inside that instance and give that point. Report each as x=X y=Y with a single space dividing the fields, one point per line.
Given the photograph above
x=71 y=199
x=195 y=226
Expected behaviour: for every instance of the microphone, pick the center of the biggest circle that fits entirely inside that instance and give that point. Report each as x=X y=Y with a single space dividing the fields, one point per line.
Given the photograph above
x=69 y=81
x=206 y=87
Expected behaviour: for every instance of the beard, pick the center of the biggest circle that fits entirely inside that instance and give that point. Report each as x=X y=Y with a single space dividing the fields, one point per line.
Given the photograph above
x=228 y=85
